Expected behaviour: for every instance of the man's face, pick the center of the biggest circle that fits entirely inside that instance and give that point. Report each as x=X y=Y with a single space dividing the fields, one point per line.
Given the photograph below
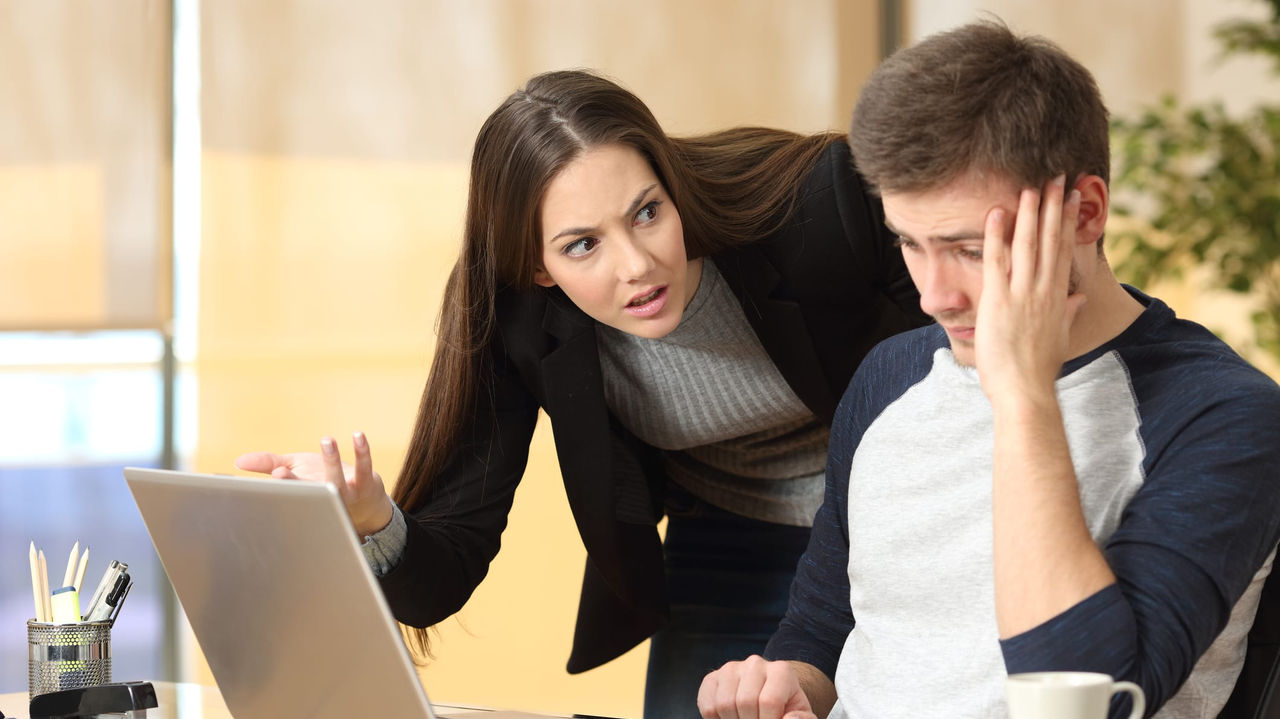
x=940 y=232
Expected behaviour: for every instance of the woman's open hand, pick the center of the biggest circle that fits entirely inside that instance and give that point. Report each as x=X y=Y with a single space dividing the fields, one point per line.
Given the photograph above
x=359 y=486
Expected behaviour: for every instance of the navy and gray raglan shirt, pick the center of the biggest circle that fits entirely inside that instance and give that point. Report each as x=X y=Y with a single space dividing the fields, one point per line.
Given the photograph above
x=1175 y=442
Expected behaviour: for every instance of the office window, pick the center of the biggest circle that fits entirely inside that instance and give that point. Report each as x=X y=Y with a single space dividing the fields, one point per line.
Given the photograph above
x=76 y=408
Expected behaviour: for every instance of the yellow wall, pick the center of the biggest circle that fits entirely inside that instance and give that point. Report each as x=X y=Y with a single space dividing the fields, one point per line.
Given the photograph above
x=334 y=178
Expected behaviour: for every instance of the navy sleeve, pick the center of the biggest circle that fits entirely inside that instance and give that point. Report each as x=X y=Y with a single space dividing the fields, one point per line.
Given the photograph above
x=818 y=617
x=1188 y=544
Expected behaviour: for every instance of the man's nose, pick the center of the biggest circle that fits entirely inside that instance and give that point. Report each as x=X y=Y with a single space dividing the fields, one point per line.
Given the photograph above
x=940 y=289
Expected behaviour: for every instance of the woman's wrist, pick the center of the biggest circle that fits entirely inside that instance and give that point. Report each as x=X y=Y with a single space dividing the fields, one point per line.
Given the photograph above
x=377 y=518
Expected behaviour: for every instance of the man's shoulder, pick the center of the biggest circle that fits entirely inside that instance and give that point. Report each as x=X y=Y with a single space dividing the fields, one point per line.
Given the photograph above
x=906 y=352
x=1186 y=381
x=892 y=367
x=1177 y=355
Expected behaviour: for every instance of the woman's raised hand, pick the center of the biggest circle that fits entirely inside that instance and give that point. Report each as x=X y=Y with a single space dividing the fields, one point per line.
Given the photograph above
x=359 y=486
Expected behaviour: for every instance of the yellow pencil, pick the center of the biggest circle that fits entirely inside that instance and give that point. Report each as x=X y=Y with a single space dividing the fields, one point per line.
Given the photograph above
x=35 y=584
x=44 y=586
x=84 y=561
x=69 y=576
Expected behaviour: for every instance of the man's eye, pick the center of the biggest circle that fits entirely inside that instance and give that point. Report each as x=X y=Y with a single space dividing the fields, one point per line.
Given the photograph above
x=971 y=254
x=580 y=247
x=906 y=243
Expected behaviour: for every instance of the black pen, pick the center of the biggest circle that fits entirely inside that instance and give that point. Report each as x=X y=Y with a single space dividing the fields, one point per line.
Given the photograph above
x=108 y=583
x=110 y=604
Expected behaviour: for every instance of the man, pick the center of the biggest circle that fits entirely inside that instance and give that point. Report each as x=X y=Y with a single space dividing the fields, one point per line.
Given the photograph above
x=1058 y=475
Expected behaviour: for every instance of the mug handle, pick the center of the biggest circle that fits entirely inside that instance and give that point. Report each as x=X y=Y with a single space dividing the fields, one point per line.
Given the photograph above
x=1135 y=691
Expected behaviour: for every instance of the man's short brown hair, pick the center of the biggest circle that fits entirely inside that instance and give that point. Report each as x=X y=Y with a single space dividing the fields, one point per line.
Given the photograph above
x=979 y=98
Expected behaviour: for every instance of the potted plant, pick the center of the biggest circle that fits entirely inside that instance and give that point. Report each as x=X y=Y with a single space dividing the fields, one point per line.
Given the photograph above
x=1206 y=184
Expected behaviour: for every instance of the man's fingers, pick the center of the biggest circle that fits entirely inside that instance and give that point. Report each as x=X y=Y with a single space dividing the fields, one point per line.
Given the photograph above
x=1025 y=249
x=751 y=689
x=726 y=698
x=1052 y=237
x=749 y=696
x=706 y=696
x=995 y=250
x=263 y=462
x=781 y=691
x=1070 y=216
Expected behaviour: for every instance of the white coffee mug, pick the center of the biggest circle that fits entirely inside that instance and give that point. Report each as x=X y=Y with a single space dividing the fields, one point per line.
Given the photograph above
x=1067 y=695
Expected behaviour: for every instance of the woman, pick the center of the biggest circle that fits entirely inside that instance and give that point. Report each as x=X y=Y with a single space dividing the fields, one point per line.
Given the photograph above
x=687 y=312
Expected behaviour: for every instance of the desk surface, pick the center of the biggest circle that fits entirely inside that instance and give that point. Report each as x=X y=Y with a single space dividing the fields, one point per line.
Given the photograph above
x=177 y=701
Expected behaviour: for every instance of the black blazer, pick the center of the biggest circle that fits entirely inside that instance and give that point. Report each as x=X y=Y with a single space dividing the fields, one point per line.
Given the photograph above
x=819 y=293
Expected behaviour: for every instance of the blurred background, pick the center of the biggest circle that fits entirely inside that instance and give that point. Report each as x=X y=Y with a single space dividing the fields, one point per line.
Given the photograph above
x=226 y=226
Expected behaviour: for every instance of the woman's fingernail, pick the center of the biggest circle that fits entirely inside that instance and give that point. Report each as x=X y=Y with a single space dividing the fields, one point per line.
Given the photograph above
x=326 y=446
x=359 y=440
x=1060 y=180
x=1073 y=197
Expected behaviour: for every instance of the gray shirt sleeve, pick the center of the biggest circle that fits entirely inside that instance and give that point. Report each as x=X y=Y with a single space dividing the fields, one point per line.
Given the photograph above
x=384 y=548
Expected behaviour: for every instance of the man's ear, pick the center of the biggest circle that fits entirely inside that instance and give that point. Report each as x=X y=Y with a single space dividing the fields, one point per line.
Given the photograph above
x=541 y=278
x=1095 y=200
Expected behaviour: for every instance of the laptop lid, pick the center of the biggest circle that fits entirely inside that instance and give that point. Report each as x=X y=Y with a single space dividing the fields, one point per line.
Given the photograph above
x=287 y=611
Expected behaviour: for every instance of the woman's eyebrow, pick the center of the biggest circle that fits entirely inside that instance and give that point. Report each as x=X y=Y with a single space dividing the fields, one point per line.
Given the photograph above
x=631 y=210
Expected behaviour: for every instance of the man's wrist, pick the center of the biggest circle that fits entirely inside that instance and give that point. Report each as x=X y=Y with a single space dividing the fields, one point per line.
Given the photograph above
x=817 y=687
x=1023 y=403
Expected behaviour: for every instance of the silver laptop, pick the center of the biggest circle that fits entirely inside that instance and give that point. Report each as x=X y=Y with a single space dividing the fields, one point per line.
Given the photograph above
x=289 y=615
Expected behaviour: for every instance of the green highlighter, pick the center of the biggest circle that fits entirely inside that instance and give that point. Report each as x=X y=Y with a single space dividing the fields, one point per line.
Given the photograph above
x=66 y=605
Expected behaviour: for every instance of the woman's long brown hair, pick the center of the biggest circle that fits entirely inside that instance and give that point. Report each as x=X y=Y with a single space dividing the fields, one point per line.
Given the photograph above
x=731 y=187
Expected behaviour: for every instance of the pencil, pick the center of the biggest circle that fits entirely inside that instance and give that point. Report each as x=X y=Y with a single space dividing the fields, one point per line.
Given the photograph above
x=84 y=561
x=69 y=576
x=44 y=586
x=35 y=584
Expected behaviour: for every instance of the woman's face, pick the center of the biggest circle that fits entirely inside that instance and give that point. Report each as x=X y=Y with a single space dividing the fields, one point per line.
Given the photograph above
x=612 y=240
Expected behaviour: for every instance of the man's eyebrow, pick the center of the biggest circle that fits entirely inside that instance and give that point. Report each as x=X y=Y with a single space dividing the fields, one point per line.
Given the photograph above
x=631 y=210
x=953 y=237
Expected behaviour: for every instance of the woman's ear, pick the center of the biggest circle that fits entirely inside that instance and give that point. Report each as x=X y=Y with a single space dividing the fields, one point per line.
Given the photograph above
x=1094 y=202
x=541 y=278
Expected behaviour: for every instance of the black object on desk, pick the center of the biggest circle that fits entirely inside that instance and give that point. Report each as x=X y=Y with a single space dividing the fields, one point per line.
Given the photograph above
x=114 y=698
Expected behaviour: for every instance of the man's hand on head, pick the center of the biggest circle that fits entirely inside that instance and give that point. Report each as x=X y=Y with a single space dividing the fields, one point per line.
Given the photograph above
x=1024 y=316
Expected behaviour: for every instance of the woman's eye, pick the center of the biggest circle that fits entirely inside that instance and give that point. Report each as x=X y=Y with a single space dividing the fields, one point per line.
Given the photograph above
x=648 y=213
x=580 y=247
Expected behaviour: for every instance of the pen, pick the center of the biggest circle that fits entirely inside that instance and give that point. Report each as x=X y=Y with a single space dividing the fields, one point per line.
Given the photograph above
x=69 y=576
x=84 y=562
x=111 y=603
x=108 y=583
x=35 y=584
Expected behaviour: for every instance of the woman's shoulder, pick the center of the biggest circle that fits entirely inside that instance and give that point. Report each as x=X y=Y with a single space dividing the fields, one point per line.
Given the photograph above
x=833 y=171
x=526 y=317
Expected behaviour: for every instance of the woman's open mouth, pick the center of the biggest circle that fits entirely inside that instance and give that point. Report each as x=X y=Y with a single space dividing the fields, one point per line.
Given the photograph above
x=649 y=303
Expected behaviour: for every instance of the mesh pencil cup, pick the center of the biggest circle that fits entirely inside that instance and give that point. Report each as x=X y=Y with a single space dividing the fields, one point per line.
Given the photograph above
x=67 y=656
